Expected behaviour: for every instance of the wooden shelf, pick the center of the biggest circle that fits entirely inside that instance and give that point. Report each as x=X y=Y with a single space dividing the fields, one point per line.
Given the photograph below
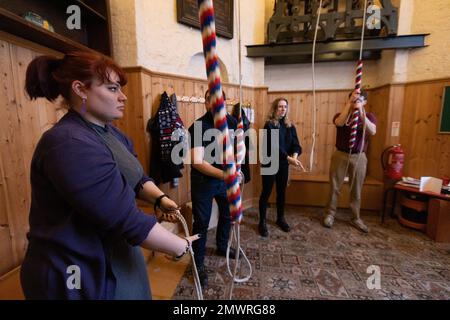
x=411 y=224
x=91 y=10
x=11 y=23
x=416 y=205
x=94 y=34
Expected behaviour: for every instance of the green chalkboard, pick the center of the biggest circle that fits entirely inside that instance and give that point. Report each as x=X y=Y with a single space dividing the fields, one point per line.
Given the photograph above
x=444 y=124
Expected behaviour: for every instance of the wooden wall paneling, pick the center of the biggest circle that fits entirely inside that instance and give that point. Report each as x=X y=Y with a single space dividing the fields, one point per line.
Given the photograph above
x=168 y=85
x=442 y=141
x=199 y=91
x=6 y=249
x=132 y=121
x=439 y=148
x=426 y=150
x=6 y=76
x=138 y=122
x=28 y=114
x=23 y=122
x=261 y=103
x=379 y=105
x=184 y=183
x=12 y=161
x=308 y=132
x=248 y=193
x=193 y=112
x=417 y=155
x=396 y=104
x=321 y=160
x=147 y=95
x=408 y=119
x=330 y=130
x=303 y=129
x=31 y=128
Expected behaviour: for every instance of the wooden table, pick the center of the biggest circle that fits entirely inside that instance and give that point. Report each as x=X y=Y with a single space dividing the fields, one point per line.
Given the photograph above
x=437 y=226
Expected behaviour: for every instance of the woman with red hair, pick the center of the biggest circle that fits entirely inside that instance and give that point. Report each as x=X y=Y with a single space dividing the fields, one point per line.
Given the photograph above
x=85 y=226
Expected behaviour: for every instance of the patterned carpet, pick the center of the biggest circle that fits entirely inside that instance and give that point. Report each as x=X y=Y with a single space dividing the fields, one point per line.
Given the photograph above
x=313 y=262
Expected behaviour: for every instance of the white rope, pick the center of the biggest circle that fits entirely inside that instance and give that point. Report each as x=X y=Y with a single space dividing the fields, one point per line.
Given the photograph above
x=363 y=137
x=198 y=287
x=235 y=231
x=363 y=30
x=236 y=236
x=311 y=156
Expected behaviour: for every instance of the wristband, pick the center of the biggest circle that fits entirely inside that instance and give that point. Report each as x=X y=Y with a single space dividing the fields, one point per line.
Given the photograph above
x=158 y=201
x=188 y=245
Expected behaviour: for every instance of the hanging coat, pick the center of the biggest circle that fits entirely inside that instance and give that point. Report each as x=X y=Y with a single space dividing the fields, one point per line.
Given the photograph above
x=161 y=127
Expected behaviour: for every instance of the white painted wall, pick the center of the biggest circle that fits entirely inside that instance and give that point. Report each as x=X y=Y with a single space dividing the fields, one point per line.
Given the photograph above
x=291 y=77
x=433 y=62
x=165 y=45
x=123 y=28
x=146 y=33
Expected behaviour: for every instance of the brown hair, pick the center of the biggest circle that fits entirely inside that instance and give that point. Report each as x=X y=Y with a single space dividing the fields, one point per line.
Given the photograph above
x=49 y=77
x=273 y=113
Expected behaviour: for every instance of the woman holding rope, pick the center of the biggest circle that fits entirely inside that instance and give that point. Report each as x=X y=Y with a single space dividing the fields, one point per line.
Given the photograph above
x=85 y=227
x=289 y=149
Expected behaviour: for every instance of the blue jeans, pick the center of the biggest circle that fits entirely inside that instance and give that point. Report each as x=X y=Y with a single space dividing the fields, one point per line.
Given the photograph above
x=203 y=191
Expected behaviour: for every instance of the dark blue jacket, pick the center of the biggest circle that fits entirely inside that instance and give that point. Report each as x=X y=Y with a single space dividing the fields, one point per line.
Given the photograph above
x=288 y=142
x=207 y=122
x=80 y=201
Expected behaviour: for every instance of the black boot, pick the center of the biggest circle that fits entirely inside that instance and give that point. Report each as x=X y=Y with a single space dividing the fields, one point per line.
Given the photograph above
x=262 y=228
x=202 y=276
x=281 y=222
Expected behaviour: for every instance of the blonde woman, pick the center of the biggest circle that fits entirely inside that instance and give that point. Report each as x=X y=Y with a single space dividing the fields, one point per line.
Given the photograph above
x=288 y=151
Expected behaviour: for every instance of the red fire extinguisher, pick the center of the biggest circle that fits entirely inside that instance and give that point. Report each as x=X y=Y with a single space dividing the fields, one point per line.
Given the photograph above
x=392 y=160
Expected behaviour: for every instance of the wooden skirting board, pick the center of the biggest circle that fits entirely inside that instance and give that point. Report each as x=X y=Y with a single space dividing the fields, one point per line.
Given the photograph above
x=314 y=190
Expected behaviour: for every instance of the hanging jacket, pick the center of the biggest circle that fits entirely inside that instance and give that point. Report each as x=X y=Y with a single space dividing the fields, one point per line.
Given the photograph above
x=161 y=127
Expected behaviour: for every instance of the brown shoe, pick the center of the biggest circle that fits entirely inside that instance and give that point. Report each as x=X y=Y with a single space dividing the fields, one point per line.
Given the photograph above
x=359 y=224
x=328 y=221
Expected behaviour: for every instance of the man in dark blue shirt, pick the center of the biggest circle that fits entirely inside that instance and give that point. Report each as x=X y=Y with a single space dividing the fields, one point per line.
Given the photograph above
x=207 y=183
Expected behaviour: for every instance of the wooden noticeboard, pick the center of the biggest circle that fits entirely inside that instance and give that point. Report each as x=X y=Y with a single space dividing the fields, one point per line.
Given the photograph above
x=187 y=13
x=444 y=123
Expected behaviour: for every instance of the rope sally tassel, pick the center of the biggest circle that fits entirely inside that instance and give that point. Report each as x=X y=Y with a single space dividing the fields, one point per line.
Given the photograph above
x=208 y=29
x=355 y=115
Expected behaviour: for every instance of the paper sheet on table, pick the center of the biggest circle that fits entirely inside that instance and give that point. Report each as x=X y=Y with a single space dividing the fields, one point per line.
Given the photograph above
x=430 y=184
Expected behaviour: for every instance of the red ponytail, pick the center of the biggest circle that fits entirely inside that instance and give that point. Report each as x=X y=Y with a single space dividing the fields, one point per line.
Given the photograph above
x=50 y=77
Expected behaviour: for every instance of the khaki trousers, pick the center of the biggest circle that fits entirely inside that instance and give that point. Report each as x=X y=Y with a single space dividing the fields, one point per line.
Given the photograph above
x=356 y=172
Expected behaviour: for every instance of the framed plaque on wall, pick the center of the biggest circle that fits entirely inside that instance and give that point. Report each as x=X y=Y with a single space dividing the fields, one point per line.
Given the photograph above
x=187 y=13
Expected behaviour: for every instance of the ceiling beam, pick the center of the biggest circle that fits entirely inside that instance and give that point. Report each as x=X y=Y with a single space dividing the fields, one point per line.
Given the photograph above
x=297 y=50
